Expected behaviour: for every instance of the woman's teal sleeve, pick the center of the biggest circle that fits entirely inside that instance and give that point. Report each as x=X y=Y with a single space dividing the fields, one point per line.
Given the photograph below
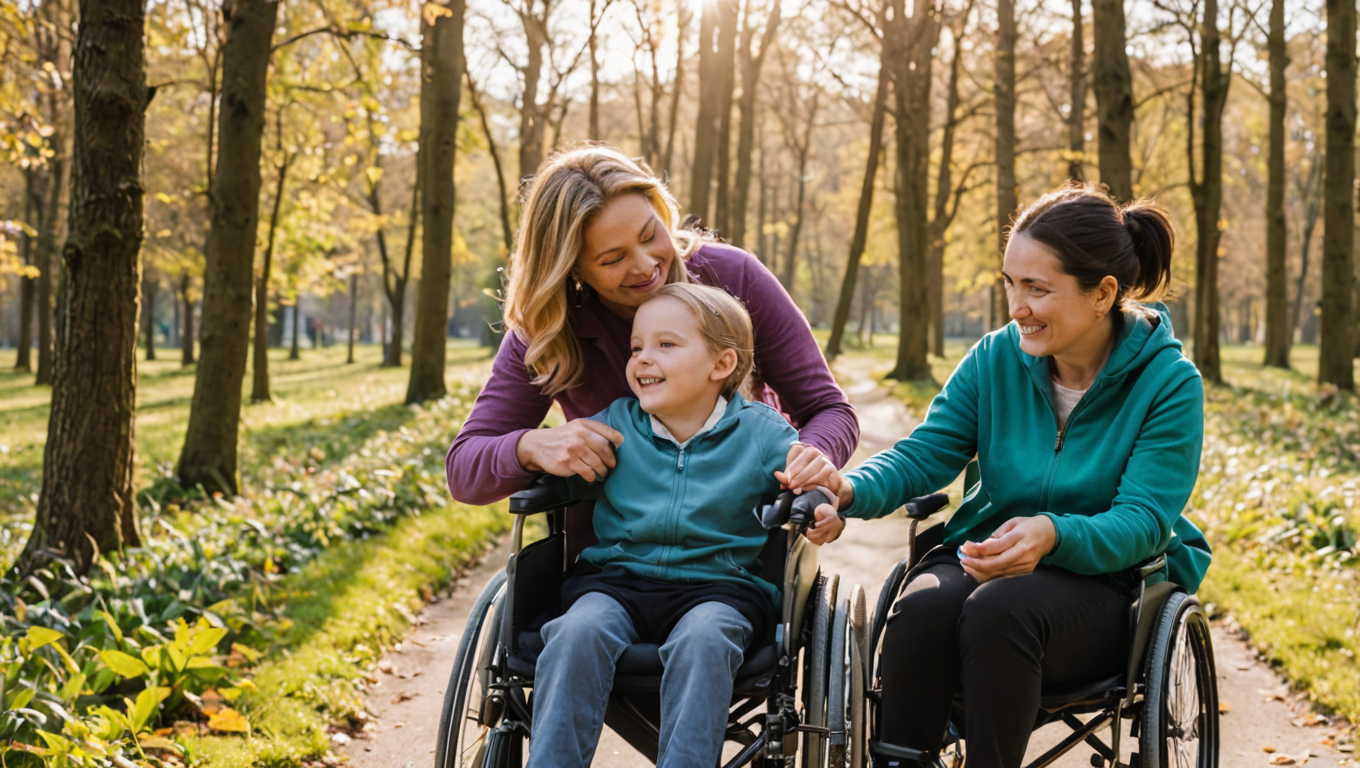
x=930 y=457
x=1154 y=488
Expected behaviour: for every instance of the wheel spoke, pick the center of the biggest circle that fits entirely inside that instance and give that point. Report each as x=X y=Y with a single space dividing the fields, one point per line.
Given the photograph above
x=1184 y=707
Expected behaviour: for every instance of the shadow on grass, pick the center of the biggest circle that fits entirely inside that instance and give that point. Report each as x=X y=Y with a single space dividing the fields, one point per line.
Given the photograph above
x=335 y=437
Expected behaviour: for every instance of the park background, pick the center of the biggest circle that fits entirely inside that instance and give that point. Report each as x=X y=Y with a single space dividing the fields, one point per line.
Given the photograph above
x=300 y=299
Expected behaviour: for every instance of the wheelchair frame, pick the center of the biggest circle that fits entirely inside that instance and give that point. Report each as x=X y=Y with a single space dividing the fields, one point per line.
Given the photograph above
x=487 y=711
x=1169 y=632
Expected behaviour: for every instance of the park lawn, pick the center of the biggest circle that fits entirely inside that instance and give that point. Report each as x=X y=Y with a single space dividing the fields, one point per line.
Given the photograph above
x=322 y=407
x=345 y=528
x=1277 y=497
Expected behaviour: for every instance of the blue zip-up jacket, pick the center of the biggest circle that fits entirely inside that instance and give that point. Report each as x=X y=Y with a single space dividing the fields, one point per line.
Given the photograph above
x=686 y=514
x=1114 y=481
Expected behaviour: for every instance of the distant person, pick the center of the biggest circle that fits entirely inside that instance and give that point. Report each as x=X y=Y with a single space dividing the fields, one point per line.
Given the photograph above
x=600 y=235
x=1086 y=420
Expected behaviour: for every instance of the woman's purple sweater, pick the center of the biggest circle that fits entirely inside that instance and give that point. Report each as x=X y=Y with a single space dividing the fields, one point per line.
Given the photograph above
x=482 y=466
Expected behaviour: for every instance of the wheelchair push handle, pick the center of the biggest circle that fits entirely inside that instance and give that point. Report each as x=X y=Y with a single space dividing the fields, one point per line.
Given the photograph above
x=922 y=507
x=798 y=510
x=544 y=493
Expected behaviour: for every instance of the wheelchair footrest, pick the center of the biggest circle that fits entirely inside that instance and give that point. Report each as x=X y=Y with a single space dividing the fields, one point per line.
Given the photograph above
x=882 y=749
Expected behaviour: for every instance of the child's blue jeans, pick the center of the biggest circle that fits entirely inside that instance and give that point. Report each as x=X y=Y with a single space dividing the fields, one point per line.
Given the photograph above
x=575 y=673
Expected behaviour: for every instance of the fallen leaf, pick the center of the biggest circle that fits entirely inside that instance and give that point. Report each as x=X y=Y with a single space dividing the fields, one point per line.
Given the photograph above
x=1282 y=759
x=228 y=720
x=1267 y=747
x=403 y=696
x=1224 y=707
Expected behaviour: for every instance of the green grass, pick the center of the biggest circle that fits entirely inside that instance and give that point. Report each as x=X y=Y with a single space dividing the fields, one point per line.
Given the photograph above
x=1278 y=497
x=345 y=608
x=319 y=402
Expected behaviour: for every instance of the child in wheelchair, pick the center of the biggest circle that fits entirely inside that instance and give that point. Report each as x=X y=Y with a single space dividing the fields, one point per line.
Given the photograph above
x=677 y=558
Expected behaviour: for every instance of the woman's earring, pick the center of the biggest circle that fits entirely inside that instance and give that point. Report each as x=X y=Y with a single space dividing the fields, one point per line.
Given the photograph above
x=578 y=283
x=580 y=289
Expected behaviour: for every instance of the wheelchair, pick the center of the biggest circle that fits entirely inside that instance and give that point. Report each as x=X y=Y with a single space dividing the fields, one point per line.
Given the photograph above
x=808 y=683
x=1168 y=691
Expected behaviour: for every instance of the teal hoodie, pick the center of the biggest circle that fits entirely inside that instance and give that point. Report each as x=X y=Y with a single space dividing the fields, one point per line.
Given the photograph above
x=688 y=515
x=1113 y=482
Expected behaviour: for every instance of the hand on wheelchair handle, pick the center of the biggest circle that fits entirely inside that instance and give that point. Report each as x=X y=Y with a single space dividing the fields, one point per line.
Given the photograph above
x=806 y=468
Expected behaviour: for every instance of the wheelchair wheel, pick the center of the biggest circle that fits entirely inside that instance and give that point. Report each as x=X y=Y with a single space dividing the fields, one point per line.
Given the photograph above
x=846 y=696
x=465 y=724
x=1180 y=710
x=816 y=655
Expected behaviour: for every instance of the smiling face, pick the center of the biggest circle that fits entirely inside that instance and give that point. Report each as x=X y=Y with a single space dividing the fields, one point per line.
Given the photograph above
x=627 y=254
x=1056 y=317
x=672 y=371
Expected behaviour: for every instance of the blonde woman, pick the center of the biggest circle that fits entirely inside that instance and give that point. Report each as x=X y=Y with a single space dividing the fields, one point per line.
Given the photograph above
x=598 y=236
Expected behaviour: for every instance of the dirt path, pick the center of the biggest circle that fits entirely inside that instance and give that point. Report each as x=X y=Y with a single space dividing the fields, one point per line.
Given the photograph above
x=1259 y=710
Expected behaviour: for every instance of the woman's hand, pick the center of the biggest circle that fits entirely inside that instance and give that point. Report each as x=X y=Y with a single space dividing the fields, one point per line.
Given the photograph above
x=829 y=525
x=1013 y=550
x=806 y=468
x=580 y=447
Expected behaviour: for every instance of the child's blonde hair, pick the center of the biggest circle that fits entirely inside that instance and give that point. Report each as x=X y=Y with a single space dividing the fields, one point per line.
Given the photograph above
x=723 y=322
x=569 y=190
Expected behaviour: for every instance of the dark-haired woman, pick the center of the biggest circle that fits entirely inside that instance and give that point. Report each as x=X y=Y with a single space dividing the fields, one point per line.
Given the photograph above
x=1086 y=420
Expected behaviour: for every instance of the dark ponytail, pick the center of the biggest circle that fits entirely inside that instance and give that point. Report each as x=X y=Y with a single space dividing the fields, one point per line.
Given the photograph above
x=1153 y=241
x=1093 y=236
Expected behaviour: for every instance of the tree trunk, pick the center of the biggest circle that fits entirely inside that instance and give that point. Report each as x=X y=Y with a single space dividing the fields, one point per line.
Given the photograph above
x=186 y=340
x=1076 y=114
x=259 y=384
x=209 y=454
x=86 y=505
x=507 y=230
x=1336 y=345
x=727 y=47
x=1208 y=197
x=47 y=246
x=1277 y=299
x=706 y=122
x=865 y=207
x=594 y=44
x=533 y=117
x=294 y=350
x=683 y=16
x=353 y=310
x=803 y=149
x=912 y=78
x=150 y=287
x=751 y=64
x=1113 y=83
x=32 y=210
x=442 y=64
x=943 y=215
x=1007 y=198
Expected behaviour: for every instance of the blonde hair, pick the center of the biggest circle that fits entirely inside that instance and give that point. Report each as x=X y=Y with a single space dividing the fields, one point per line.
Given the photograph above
x=568 y=191
x=723 y=322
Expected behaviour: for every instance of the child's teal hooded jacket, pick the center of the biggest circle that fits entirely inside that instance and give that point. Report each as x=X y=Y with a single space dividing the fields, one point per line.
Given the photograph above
x=688 y=515
x=1113 y=482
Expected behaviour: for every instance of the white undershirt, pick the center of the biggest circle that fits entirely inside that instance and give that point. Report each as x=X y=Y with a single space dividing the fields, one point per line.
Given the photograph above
x=1064 y=400
x=660 y=430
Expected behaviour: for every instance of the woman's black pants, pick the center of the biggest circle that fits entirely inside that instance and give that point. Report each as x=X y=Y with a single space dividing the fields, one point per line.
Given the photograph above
x=997 y=643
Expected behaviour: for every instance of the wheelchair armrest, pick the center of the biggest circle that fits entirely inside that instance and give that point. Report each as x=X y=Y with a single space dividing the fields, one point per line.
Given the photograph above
x=922 y=507
x=788 y=507
x=544 y=494
x=1150 y=566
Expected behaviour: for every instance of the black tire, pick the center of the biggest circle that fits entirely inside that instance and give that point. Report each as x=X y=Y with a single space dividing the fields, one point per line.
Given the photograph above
x=816 y=656
x=1180 y=709
x=462 y=736
x=886 y=597
x=846 y=698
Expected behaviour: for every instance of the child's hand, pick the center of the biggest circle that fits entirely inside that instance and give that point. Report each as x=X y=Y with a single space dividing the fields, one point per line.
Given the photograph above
x=806 y=468
x=828 y=527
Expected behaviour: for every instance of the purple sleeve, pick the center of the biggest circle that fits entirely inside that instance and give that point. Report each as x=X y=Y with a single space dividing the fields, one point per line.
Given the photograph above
x=789 y=361
x=481 y=464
